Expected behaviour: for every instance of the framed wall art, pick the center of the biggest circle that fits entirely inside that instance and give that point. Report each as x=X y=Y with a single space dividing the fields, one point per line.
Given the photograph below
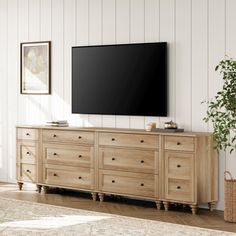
x=35 y=68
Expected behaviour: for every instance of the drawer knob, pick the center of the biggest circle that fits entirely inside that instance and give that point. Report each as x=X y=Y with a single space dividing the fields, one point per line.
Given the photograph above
x=113 y=139
x=80 y=156
x=113 y=158
x=178 y=143
x=54 y=174
x=79 y=137
x=141 y=141
x=178 y=166
x=142 y=161
x=113 y=181
x=54 y=153
x=178 y=187
x=27 y=134
x=79 y=177
x=28 y=153
x=54 y=135
x=141 y=184
x=28 y=171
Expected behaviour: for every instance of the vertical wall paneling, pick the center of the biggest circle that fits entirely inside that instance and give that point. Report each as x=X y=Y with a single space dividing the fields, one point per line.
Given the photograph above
x=3 y=91
x=69 y=41
x=82 y=39
x=58 y=59
x=122 y=36
x=183 y=63
x=46 y=35
x=12 y=68
x=95 y=38
x=231 y=52
x=216 y=52
x=109 y=37
x=23 y=36
x=137 y=29
x=199 y=63
x=34 y=104
x=152 y=34
x=167 y=34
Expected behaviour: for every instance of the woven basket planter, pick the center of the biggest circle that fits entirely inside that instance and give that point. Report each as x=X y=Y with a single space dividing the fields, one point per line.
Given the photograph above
x=230 y=198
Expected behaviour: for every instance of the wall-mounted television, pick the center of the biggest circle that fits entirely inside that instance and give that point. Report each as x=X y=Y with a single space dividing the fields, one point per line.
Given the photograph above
x=126 y=79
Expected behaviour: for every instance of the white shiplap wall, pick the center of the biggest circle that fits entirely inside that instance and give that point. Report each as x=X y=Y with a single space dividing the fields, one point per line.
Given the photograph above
x=199 y=34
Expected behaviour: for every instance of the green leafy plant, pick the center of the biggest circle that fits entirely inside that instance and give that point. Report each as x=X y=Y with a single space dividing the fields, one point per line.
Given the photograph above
x=222 y=108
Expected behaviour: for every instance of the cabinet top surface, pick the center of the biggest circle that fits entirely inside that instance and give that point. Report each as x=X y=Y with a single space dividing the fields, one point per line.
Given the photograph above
x=116 y=130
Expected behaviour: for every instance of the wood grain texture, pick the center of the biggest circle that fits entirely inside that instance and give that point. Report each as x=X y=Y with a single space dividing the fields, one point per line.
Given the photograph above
x=162 y=167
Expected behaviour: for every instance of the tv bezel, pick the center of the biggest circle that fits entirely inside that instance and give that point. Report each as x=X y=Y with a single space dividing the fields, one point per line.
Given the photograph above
x=123 y=44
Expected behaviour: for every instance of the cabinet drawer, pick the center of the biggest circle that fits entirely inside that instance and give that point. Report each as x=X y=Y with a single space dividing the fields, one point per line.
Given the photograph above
x=129 y=160
x=179 y=143
x=26 y=153
x=126 y=183
x=179 y=165
x=68 y=155
x=76 y=177
x=27 y=134
x=27 y=172
x=128 y=140
x=179 y=190
x=68 y=136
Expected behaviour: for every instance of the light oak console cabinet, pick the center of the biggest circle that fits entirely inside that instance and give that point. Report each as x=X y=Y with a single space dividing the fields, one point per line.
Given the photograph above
x=161 y=167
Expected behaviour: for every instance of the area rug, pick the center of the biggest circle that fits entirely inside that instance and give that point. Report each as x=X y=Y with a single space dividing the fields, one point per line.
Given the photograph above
x=27 y=218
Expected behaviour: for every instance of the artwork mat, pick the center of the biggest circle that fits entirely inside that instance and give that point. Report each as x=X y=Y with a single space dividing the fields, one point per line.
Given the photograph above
x=43 y=61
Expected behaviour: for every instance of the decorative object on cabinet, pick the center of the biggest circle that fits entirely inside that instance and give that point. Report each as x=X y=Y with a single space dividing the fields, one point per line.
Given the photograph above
x=162 y=167
x=150 y=126
x=35 y=68
x=170 y=125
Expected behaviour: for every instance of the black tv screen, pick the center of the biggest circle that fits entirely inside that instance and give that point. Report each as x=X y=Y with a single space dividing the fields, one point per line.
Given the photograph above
x=127 y=79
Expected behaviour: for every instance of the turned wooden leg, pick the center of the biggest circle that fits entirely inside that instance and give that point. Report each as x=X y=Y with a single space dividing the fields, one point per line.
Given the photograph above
x=158 y=204
x=20 y=185
x=94 y=196
x=45 y=189
x=39 y=188
x=101 y=196
x=211 y=205
x=166 y=205
x=194 y=209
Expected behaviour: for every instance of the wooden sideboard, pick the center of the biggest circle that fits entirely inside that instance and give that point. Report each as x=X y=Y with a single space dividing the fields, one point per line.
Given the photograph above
x=161 y=167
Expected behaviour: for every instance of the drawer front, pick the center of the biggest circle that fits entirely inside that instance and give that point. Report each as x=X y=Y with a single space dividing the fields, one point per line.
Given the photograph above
x=27 y=134
x=27 y=173
x=69 y=155
x=77 y=137
x=179 y=143
x=179 y=190
x=69 y=177
x=129 y=160
x=26 y=153
x=179 y=165
x=128 y=140
x=126 y=183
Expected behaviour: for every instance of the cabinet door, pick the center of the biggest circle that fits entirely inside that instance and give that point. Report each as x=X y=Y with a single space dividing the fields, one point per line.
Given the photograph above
x=179 y=176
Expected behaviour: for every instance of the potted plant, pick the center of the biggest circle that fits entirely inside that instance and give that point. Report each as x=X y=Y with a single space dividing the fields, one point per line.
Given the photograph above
x=222 y=113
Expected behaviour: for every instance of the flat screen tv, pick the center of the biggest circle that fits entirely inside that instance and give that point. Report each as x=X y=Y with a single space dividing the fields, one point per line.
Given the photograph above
x=127 y=79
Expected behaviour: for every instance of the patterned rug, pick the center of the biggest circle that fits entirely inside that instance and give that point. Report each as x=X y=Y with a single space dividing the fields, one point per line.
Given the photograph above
x=27 y=218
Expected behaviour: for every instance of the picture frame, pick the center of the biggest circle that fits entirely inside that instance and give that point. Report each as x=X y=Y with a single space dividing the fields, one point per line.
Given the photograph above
x=35 y=74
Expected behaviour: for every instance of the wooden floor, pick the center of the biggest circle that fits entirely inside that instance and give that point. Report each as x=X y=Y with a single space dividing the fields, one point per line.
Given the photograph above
x=120 y=206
